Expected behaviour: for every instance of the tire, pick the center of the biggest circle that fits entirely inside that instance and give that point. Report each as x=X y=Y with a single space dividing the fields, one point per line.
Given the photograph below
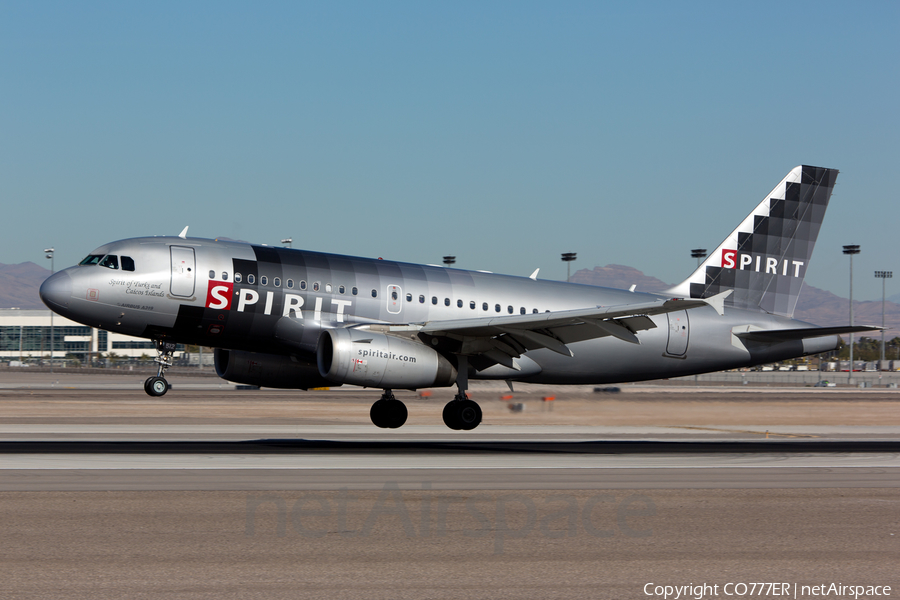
x=156 y=386
x=397 y=414
x=468 y=415
x=451 y=415
x=378 y=414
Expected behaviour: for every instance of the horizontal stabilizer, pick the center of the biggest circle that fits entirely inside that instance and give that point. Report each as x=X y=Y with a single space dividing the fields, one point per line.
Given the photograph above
x=773 y=336
x=718 y=301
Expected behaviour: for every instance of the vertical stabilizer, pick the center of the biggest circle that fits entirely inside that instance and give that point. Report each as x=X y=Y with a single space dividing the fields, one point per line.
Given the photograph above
x=765 y=259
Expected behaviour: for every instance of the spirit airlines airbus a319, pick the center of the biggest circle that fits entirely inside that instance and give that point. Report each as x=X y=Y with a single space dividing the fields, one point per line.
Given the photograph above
x=286 y=318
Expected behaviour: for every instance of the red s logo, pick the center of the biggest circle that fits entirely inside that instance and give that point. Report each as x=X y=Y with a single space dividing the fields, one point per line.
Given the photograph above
x=729 y=259
x=218 y=295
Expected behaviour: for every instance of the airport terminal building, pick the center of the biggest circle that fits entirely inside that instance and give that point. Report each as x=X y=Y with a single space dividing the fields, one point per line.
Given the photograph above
x=29 y=335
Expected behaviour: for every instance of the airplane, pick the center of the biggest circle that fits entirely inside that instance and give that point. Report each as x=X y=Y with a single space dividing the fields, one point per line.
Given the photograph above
x=291 y=318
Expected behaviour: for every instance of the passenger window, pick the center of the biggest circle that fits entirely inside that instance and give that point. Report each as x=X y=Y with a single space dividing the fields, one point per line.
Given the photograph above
x=237 y=278
x=290 y=284
x=409 y=297
x=472 y=305
x=316 y=286
x=509 y=309
x=91 y=259
x=534 y=311
x=110 y=261
x=421 y=299
x=341 y=290
x=496 y=308
x=394 y=295
x=484 y=306
x=446 y=301
x=127 y=263
x=434 y=300
x=264 y=280
x=375 y=293
x=354 y=291
x=328 y=287
x=459 y=303
x=224 y=273
x=277 y=282
x=302 y=284
x=212 y=274
x=522 y=311
x=251 y=278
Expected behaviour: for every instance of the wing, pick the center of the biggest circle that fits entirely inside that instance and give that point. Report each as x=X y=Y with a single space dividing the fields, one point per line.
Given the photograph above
x=502 y=339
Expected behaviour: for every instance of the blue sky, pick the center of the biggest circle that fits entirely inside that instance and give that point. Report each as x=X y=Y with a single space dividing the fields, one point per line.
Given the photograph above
x=504 y=133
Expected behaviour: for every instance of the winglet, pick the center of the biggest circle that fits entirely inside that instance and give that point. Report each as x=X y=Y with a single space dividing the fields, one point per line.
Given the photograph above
x=534 y=275
x=183 y=234
x=718 y=301
x=633 y=287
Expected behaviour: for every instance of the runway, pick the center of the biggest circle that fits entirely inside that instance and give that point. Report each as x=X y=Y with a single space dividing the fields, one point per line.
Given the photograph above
x=207 y=494
x=79 y=437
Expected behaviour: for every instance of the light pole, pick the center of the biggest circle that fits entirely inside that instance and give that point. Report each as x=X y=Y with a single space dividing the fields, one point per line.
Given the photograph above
x=699 y=254
x=568 y=257
x=49 y=253
x=449 y=260
x=883 y=276
x=288 y=241
x=850 y=251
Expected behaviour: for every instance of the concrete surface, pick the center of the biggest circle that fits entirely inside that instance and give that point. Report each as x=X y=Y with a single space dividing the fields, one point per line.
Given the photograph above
x=213 y=493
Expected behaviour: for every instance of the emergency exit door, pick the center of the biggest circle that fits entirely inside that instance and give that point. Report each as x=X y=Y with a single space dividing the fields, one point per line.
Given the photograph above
x=394 y=299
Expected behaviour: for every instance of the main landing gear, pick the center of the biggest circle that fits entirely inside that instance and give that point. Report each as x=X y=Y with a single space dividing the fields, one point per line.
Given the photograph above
x=459 y=414
x=388 y=412
x=462 y=413
x=158 y=386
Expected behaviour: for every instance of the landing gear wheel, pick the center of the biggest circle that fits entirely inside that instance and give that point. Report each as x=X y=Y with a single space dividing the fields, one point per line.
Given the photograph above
x=156 y=386
x=451 y=415
x=388 y=413
x=468 y=415
x=462 y=415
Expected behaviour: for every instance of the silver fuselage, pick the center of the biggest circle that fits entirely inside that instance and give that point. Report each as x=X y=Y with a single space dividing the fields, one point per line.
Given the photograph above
x=240 y=296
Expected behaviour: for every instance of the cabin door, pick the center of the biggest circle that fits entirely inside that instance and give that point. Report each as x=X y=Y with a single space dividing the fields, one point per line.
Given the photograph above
x=679 y=331
x=183 y=271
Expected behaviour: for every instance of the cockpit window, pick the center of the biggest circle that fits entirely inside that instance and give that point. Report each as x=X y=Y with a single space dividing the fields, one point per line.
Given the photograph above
x=91 y=259
x=110 y=261
x=127 y=263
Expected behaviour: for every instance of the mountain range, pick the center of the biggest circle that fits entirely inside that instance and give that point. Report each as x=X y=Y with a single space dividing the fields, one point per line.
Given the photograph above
x=19 y=285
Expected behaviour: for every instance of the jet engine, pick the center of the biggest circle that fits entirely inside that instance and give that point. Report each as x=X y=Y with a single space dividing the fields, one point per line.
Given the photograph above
x=267 y=370
x=372 y=359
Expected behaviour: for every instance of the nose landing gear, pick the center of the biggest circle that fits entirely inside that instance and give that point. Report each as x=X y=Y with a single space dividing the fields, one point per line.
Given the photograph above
x=158 y=386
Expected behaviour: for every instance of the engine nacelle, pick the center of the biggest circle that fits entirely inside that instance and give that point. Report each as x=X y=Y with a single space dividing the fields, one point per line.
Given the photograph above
x=371 y=359
x=267 y=370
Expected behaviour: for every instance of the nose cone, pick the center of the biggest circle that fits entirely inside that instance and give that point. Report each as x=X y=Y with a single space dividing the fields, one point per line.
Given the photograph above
x=56 y=291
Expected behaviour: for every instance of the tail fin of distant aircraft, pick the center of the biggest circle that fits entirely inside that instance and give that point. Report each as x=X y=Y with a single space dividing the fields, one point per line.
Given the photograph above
x=765 y=259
